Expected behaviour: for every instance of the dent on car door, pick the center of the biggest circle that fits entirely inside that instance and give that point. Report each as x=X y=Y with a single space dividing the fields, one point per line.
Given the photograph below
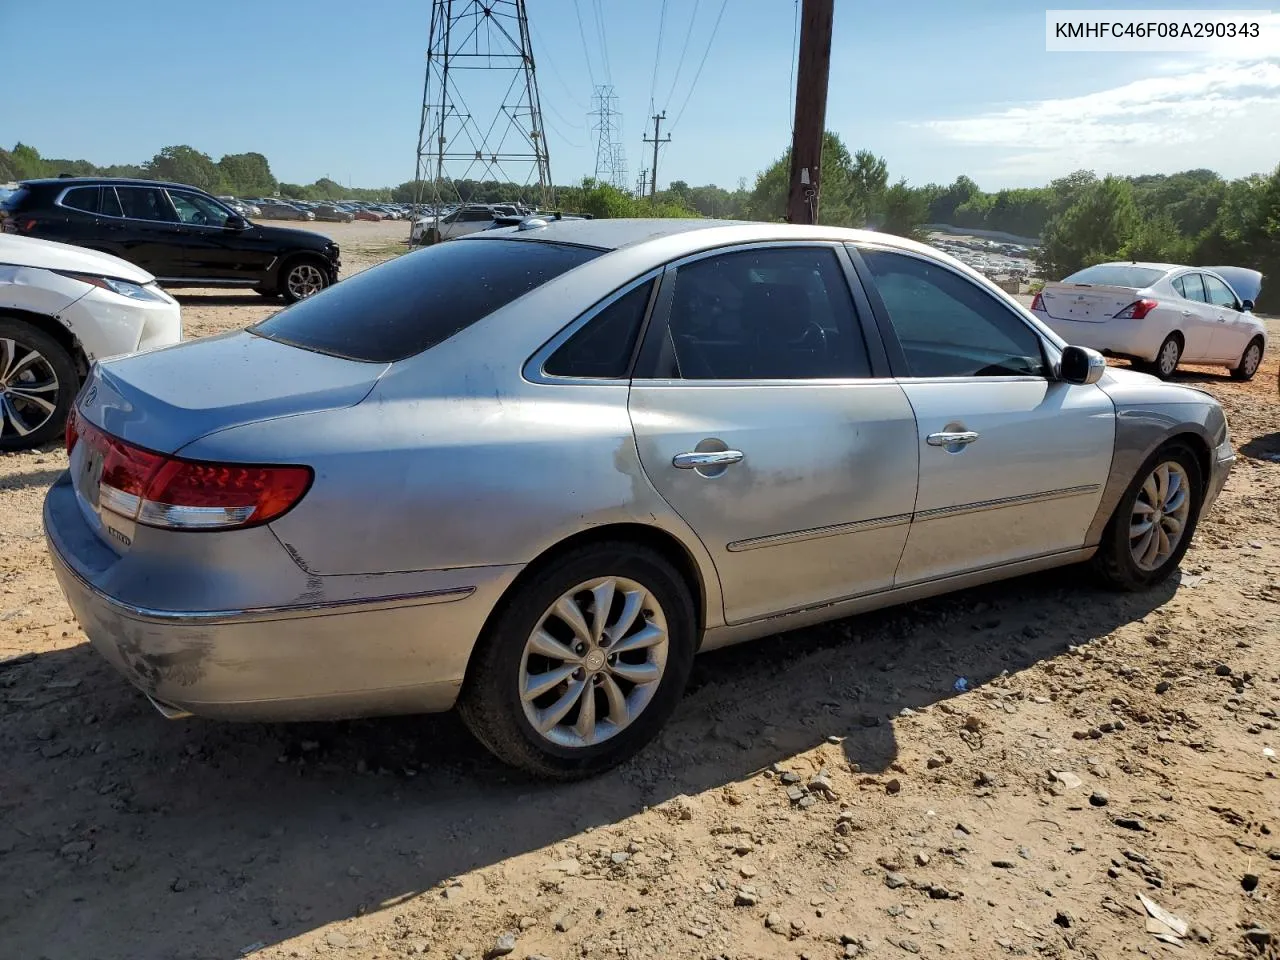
x=1012 y=461
x=760 y=419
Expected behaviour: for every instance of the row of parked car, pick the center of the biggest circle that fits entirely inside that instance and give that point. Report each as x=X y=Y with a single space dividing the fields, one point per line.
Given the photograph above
x=277 y=208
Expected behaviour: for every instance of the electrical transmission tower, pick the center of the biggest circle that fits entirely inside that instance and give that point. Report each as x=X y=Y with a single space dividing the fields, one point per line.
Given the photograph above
x=611 y=160
x=481 y=115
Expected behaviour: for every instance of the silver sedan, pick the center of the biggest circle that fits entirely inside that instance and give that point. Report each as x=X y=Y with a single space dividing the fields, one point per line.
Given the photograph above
x=530 y=473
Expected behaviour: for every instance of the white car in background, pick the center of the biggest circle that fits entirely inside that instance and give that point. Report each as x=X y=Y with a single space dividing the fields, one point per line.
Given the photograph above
x=61 y=309
x=1160 y=315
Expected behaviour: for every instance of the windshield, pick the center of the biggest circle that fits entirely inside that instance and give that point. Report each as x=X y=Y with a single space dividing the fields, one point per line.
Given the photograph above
x=420 y=299
x=1116 y=275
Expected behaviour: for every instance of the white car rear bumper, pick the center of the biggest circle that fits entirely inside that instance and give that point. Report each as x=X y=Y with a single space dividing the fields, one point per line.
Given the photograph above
x=1122 y=338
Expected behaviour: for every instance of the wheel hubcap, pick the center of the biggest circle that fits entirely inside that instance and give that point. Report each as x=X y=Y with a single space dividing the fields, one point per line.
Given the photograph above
x=305 y=280
x=1252 y=359
x=1160 y=516
x=1169 y=358
x=28 y=389
x=594 y=662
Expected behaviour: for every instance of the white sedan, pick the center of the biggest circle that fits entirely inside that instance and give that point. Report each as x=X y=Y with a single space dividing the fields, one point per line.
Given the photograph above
x=61 y=308
x=1160 y=314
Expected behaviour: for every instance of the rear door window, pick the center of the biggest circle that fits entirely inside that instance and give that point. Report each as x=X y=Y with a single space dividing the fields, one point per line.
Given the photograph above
x=412 y=303
x=1192 y=288
x=146 y=203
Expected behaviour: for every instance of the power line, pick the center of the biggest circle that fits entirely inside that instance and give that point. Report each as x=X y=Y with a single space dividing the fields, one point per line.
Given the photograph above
x=657 y=53
x=586 y=50
x=683 y=50
x=551 y=61
x=604 y=43
x=702 y=63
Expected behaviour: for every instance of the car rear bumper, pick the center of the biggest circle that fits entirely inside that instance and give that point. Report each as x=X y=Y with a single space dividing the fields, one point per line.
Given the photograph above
x=317 y=658
x=1131 y=339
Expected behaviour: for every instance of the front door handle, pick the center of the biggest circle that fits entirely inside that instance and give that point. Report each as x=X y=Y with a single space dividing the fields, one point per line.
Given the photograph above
x=950 y=438
x=709 y=458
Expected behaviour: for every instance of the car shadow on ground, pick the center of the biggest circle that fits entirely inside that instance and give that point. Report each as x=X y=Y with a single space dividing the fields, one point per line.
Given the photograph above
x=224 y=299
x=207 y=837
x=31 y=478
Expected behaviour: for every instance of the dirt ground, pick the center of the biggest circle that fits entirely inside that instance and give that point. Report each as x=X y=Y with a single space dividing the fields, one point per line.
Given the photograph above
x=827 y=793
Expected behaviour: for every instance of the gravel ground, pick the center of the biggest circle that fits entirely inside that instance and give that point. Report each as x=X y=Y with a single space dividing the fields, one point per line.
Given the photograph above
x=822 y=794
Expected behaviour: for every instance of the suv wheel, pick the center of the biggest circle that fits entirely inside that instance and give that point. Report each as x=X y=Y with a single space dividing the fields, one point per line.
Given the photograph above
x=302 y=278
x=38 y=384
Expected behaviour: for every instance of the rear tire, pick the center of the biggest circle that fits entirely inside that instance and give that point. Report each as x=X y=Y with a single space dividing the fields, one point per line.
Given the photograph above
x=1250 y=361
x=1119 y=560
x=497 y=702
x=38 y=385
x=1166 y=362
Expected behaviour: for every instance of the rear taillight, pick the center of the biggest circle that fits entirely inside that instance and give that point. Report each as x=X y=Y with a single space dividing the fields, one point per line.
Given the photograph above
x=1037 y=302
x=1137 y=310
x=178 y=494
x=72 y=431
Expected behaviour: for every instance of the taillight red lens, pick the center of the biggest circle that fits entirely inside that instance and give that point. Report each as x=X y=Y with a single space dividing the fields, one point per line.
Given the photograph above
x=71 y=430
x=1037 y=302
x=171 y=492
x=1137 y=310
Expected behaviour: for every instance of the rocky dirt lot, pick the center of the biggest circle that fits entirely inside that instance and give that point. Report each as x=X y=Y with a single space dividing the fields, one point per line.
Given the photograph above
x=823 y=794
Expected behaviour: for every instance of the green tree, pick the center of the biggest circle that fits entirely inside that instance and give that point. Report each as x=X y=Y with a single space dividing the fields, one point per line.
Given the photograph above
x=1092 y=230
x=26 y=162
x=247 y=174
x=905 y=211
x=184 y=164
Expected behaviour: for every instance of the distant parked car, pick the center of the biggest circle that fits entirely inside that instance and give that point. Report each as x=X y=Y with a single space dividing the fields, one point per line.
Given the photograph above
x=1159 y=315
x=533 y=472
x=333 y=214
x=469 y=219
x=285 y=211
x=364 y=214
x=181 y=235
x=61 y=309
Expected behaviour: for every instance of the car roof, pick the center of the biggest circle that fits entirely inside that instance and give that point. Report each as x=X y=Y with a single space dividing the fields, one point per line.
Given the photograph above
x=688 y=234
x=96 y=181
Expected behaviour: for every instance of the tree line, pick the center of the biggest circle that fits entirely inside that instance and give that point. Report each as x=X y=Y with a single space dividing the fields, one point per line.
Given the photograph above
x=1195 y=216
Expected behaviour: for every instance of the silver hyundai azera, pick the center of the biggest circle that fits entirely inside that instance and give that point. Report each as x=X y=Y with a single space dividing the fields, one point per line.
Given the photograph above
x=532 y=472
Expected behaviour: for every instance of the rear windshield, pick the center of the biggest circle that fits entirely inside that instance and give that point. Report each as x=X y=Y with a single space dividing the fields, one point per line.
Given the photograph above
x=410 y=304
x=1116 y=275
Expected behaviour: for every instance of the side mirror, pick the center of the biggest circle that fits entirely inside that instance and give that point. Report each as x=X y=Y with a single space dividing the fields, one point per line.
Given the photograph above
x=1246 y=306
x=236 y=222
x=1081 y=365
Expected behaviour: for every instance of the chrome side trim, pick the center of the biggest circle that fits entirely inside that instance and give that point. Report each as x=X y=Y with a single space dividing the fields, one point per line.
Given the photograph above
x=208 y=281
x=1020 y=500
x=818 y=533
x=289 y=611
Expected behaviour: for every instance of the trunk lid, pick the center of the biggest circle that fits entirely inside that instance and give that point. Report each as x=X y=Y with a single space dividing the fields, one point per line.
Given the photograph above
x=165 y=399
x=1091 y=303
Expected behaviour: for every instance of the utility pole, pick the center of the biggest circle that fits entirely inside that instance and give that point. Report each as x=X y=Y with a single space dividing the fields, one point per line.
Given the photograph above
x=812 y=70
x=642 y=183
x=656 y=141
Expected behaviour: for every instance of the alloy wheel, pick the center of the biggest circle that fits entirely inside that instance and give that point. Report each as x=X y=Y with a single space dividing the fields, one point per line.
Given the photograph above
x=594 y=662
x=1160 y=515
x=305 y=280
x=28 y=389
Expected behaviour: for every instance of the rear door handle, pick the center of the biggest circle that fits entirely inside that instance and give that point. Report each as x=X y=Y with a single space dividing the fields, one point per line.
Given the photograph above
x=949 y=438
x=710 y=458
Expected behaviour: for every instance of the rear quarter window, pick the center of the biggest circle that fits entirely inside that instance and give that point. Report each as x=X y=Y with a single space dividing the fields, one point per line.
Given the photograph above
x=1116 y=275
x=412 y=303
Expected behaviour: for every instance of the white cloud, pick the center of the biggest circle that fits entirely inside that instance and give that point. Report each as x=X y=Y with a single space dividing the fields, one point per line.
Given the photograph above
x=1215 y=113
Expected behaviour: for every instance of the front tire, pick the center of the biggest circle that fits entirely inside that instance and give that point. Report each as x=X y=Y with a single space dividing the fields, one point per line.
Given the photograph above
x=38 y=385
x=583 y=663
x=1153 y=524
x=1250 y=361
x=1166 y=362
x=301 y=278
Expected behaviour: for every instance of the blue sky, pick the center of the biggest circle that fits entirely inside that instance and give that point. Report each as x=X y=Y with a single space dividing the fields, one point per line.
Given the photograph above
x=333 y=88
